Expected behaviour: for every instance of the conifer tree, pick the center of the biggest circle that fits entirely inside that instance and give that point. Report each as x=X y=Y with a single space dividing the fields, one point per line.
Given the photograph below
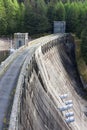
x=10 y=13
x=40 y=7
x=60 y=12
x=22 y=15
x=72 y=17
x=3 y=22
x=51 y=14
x=80 y=23
x=35 y=17
x=17 y=15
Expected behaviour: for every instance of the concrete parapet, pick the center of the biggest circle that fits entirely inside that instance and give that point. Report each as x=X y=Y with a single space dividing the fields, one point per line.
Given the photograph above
x=52 y=43
x=15 y=115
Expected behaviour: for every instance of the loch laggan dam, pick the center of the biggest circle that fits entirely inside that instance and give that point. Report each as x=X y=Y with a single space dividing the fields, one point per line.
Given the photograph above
x=40 y=87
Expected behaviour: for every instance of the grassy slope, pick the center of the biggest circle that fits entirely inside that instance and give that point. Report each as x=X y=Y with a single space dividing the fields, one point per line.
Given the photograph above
x=3 y=55
x=80 y=62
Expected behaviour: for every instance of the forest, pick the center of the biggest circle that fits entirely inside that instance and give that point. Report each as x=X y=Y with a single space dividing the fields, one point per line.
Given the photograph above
x=37 y=16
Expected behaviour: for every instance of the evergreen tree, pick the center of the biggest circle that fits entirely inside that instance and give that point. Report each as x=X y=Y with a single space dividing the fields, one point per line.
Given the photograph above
x=51 y=14
x=10 y=12
x=27 y=15
x=35 y=17
x=17 y=15
x=3 y=22
x=60 y=12
x=47 y=1
x=40 y=7
x=72 y=17
x=36 y=24
x=22 y=15
x=80 y=20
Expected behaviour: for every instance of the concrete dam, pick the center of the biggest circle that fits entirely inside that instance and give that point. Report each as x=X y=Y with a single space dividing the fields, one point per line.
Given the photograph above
x=47 y=87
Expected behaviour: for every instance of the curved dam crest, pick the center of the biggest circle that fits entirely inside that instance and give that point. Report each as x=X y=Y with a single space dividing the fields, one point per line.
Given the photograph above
x=50 y=72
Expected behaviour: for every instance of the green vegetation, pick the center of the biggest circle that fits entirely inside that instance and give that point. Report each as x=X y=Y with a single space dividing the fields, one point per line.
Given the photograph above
x=82 y=67
x=3 y=55
x=3 y=22
x=37 y=16
x=84 y=44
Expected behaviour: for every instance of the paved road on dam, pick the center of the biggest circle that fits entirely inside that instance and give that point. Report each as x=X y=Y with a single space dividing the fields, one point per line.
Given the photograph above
x=9 y=81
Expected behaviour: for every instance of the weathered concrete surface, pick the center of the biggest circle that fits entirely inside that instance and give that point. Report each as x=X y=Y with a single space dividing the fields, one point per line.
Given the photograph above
x=33 y=108
x=47 y=73
x=59 y=72
x=4 y=45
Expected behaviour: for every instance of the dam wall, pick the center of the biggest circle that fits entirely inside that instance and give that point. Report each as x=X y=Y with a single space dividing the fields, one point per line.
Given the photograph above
x=44 y=77
x=35 y=109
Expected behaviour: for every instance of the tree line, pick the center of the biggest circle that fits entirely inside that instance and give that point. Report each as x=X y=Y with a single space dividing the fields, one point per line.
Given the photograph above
x=37 y=16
